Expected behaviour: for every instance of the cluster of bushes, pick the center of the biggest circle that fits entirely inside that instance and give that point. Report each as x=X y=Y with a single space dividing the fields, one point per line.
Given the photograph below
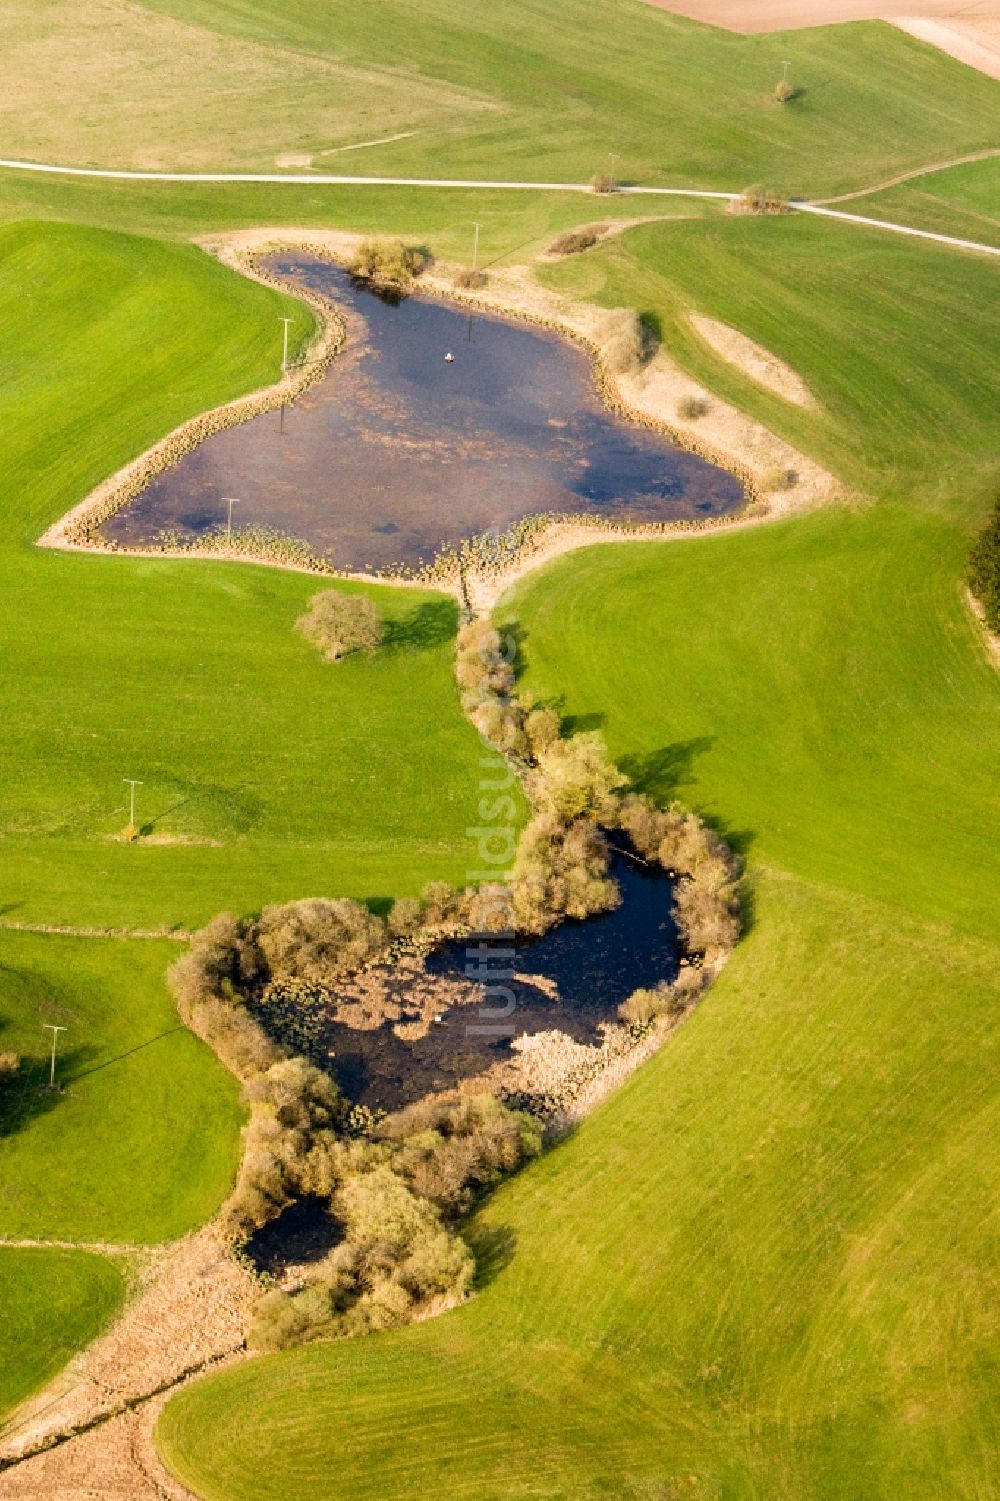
x=397 y=1261
x=469 y=279
x=395 y=1198
x=388 y=263
x=339 y=623
x=983 y=573
x=706 y=896
x=603 y=182
x=758 y=200
x=624 y=341
x=572 y=241
x=693 y=407
x=452 y=1148
x=485 y=673
x=561 y=870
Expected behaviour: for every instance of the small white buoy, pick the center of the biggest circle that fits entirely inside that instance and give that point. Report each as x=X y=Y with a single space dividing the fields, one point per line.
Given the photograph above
x=449 y=358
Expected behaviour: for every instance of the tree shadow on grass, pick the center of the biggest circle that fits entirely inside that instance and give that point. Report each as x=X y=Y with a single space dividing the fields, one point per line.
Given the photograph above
x=27 y=1095
x=661 y=774
x=578 y=724
x=493 y=1247
x=430 y=624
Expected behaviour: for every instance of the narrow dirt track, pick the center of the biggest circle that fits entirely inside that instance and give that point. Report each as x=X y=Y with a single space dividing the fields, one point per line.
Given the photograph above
x=895 y=182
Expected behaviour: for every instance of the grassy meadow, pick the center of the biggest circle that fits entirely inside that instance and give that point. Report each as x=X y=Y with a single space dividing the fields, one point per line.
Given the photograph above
x=542 y=92
x=53 y=1302
x=139 y=1144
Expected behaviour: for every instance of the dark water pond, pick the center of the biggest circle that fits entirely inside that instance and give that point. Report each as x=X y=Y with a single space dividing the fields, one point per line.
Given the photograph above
x=397 y=453
x=303 y=1233
x=570 y=980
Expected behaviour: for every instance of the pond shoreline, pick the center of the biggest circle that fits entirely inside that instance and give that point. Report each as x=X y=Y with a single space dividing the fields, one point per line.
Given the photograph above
x=515 y=301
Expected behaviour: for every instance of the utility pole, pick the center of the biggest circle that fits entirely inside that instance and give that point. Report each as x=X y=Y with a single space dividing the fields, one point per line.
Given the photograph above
x=284 y=347
x=614 y=156
x=132 y=784
x=784 y=76
x=51 y=1027
x=475 y=248
x=231 y=500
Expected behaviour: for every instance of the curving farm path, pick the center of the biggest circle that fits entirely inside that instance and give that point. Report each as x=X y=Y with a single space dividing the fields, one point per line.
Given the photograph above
x=320 y=179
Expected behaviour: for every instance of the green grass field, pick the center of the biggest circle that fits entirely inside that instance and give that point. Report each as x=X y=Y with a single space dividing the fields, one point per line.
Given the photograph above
x=53 y=1302
x=140 y=1144
x=541 y=92
x=763 y=1268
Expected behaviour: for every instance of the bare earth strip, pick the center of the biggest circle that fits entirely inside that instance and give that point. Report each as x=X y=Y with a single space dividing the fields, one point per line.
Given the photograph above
x=971 y=41
x=756 y=362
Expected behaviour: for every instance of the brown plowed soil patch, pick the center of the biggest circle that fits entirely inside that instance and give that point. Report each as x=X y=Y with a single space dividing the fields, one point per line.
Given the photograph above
x=791 y=15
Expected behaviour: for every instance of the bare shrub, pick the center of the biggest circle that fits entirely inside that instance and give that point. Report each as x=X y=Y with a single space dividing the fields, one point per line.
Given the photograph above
x=784 y=93
x=290 y=1146
x=602 y=182
x=10 y=1063
x=280 y=1320
x=387 y=262
x=236 y=1038
x=482 y=663
x=561 y=870
x=644 y=1006
x=223 y=959
x=340 y=623
x=758 y=200
x=572 y=241
x=692 y=407
x=452 y=1148
x=576 y=778
x=404 y=917
x=646 y=825
x=780 y=479
x=502 y=723
x=440 y=903
x=317 y=939
x=488 y=908
x=541 y=726
x=469 y=279
x=623 y=340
